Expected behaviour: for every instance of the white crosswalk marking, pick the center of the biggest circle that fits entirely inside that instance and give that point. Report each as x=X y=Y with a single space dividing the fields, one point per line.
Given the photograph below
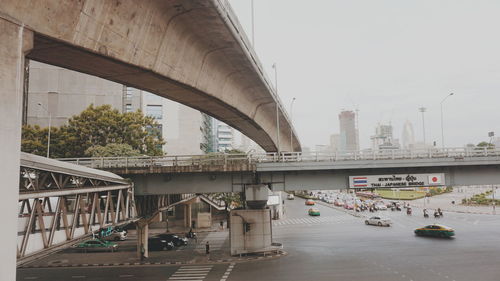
x=315 y=220
x=186 y=273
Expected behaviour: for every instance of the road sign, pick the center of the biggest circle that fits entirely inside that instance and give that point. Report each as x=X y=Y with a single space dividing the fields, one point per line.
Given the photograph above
x=401 y=180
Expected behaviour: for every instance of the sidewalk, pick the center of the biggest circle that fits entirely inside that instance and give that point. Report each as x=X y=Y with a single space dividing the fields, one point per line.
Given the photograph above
x=193 y=253
x=443 y=201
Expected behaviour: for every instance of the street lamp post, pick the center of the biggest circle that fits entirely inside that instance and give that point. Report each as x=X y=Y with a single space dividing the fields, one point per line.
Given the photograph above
x=50 y=121
x=442 y=128
x=291 y=122
x=423 y=110
x=277 y=109
x=253 y=27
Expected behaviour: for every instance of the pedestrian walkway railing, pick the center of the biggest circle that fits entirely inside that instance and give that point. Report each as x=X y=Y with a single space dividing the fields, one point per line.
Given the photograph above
x=224 y=159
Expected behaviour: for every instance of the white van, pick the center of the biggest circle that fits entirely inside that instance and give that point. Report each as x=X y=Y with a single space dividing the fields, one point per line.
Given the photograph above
x=290 y=196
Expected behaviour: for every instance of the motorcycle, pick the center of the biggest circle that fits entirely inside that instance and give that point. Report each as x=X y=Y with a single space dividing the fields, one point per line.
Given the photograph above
x=436 y=215
x=426 y=215
x=191 y=235
x=408 y=211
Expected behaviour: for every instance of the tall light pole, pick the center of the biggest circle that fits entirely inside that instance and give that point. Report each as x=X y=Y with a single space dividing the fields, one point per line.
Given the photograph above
x=253 y=27
x=291 y=122
x=50 y=121
x=277 y=108
x=442 y=127
x=423 y=110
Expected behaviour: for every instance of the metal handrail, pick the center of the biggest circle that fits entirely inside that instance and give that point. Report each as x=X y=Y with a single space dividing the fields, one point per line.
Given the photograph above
x=250 y=159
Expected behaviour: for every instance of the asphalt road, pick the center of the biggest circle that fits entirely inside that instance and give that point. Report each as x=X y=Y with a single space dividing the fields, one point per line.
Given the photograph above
x=339 y=246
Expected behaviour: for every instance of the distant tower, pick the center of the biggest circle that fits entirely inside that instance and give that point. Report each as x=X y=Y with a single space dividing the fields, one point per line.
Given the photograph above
x=348 y=134
x=408 y=137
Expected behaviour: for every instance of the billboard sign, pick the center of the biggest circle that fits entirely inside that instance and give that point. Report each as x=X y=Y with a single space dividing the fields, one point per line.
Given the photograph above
x=397 y=181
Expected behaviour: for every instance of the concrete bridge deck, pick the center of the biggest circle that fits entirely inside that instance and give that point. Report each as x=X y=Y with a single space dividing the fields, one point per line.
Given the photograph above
x=296 y=171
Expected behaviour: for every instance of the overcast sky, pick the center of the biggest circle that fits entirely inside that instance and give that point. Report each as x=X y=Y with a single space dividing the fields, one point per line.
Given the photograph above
x=386 y=58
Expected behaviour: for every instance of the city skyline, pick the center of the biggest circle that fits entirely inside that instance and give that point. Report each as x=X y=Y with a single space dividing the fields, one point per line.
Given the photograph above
x=362 y=60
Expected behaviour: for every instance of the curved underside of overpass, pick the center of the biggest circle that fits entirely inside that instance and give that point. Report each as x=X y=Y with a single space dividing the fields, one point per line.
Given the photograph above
x=191 y=51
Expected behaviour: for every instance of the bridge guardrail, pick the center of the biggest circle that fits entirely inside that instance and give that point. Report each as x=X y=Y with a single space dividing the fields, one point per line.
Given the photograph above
x=232 y=159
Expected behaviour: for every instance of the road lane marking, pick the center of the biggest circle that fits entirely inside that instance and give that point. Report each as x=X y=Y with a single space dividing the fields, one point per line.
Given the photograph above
x=191 y=273
x=31 y=277
x=228 y=271
x=78 y=276
x=125 y=275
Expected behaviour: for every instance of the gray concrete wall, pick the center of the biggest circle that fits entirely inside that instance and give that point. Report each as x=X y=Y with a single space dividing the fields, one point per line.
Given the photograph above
x=65 y=93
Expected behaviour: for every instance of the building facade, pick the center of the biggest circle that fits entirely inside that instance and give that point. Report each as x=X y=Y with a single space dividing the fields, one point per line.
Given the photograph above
x=408 y=136
x=225 y=137
x=61 y=93
x=348 y=131
x=383 y=138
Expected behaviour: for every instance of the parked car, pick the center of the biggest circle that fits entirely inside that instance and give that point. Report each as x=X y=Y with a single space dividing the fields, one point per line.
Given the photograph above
x=96 y=245
x=176 y=240
x=116 y=235
x=158 y=244
x=435 y=230
x=310 y=202
x=381 y=207
x=378 y=221
x=338 y=203
x=290 y=196
x=314 y=212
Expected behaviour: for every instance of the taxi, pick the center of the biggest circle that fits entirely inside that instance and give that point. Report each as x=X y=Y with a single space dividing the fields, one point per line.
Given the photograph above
x=435 y=230
x=310 y=202
x=314 y=212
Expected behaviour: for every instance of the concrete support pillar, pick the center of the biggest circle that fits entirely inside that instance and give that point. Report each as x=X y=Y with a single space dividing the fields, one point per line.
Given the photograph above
x=15 y=42
x=189 y=215
x=142 y=239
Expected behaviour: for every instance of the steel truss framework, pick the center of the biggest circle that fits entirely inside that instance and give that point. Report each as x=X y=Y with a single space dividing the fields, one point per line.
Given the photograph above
x=54 y=204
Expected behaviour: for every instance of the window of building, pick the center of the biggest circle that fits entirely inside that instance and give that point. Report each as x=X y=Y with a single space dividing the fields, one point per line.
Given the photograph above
x=129 y=92
x=128 y=107
x=155 y=111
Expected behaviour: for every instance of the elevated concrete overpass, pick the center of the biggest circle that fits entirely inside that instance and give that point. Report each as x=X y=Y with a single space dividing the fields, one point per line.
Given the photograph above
x=297 y=171
x=193 y=51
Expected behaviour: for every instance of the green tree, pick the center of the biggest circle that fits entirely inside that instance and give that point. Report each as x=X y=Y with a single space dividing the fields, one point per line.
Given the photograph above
x=229 y=198
x=97 y=126
x=485 y=144
x=234 y=151
x=34 y=140
x=112 y=150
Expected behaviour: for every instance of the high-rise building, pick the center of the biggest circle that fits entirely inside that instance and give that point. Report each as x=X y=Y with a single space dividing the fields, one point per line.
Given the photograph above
x=225 y=137
x=383 y=138
x=408 y=136
x=348 y=131
x=335 y=142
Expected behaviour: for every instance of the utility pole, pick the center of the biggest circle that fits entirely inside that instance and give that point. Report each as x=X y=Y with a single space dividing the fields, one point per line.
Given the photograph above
x=50 y=121
x=277 y=109
x=253 y=27
x=442 y=127
x=291 y=123
x=423 y=110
